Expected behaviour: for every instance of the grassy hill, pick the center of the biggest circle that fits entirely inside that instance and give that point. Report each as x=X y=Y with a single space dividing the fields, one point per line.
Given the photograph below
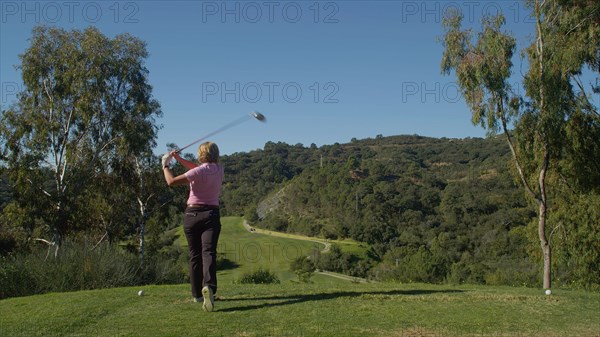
x=291 y=309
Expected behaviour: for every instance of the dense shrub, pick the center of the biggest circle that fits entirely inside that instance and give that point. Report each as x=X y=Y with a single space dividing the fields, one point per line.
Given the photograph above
x=259 y=276
x=81 y=267
x=341 y=262
x=303 y=267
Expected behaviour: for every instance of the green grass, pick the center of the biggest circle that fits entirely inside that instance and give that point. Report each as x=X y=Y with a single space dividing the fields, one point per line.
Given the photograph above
x=352 y=247
x=346 y=245
x=292 y=309
x=326 y=307
x=249 y=251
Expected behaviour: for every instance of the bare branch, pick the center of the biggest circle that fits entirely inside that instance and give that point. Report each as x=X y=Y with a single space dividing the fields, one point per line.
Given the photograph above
x=149 y=197
x=560 y=224
x=44 y=241
x=517 y=162
x=587 y=100
x=101 y=239
x=48 y=92
x=50 y=245
x=543 y=171
x=41 y=189
x=583 y=21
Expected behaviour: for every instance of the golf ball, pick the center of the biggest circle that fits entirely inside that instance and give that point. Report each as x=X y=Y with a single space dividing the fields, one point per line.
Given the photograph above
x=548 y=292
x=141 y=293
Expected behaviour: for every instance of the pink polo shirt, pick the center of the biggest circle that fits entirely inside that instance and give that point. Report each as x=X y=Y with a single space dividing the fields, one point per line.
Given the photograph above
x=205 y=184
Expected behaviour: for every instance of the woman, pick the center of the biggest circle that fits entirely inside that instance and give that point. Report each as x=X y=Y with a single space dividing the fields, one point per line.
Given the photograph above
x=202 y=224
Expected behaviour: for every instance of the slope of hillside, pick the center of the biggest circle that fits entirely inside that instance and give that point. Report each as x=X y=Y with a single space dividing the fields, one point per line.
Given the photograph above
x=431 y=210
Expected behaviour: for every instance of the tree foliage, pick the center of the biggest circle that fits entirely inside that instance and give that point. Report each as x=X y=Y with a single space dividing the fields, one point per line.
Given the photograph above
x=398 y=194
x=86 y=108
x=303 y=267
x=556 y=119
x=77 y=158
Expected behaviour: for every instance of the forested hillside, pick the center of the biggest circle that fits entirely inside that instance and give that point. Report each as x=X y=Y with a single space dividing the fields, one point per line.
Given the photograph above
x=430 y=209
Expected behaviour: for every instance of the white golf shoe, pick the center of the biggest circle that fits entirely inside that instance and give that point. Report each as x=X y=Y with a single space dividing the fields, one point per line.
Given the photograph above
x=209 y=301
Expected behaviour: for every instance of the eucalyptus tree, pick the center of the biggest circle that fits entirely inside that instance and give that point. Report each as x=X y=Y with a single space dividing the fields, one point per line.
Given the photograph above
x=566 y=42
x=85 y=108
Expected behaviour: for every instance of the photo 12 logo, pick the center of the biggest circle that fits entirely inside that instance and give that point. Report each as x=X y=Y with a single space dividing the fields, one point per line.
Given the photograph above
x=270 y=91
x=9 y=92
x=437 y=92
x=52 y=12
x=472 y=11
x=254 y=252
x=269 y=11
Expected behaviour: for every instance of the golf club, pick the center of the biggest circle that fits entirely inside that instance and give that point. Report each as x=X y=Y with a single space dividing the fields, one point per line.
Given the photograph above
x=255 y=114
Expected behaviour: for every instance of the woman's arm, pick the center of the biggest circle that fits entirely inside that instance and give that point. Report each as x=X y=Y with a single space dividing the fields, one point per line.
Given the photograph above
x=186 y=163
x=173 y=181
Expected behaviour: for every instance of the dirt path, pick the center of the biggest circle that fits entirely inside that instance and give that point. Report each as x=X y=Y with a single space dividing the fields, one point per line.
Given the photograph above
x=305 y=238
x=288 y=236
x=344 y=277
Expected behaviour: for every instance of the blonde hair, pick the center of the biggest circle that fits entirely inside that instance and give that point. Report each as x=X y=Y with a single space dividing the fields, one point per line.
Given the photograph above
x=208 y=153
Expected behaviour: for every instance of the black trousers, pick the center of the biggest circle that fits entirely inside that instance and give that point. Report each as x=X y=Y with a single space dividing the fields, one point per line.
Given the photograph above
x=202 y=228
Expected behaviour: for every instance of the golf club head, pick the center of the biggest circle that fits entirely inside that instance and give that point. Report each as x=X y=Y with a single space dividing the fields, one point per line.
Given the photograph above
x=258 y=116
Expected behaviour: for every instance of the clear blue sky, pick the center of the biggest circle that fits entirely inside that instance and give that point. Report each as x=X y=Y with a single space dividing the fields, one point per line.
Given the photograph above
x=322 y=72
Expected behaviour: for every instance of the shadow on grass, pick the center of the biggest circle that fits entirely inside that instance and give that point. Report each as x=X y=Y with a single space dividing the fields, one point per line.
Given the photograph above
x=226 y=264
x=300 y=298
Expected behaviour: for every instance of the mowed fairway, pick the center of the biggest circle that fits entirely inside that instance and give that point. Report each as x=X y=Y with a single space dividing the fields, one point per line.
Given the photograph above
x=293 y=309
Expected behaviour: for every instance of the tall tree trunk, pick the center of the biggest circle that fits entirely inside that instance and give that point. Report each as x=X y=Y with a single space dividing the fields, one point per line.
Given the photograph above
x=56 y=242
x=543 y=210
x=59 y=227
x=142 y=242
x=546 y=250
x=143 y=210
x=539 y=200
x=142 y=231
x=542 y=203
